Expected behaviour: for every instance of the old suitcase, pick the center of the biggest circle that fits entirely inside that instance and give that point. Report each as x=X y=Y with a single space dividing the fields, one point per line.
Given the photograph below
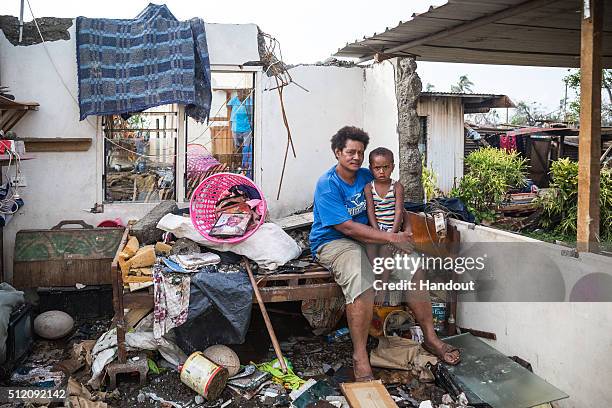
x=65 y=256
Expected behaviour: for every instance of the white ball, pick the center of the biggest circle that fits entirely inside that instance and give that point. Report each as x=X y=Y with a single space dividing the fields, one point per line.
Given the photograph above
x=53 y=324
x=223 y=356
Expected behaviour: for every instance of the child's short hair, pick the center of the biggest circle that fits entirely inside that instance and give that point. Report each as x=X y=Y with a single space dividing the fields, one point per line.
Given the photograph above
x=381 y=151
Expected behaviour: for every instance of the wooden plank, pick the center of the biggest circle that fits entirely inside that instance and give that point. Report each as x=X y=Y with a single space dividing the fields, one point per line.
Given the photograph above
x=369 y=394
x=57 y=144
x=590 y=126
x=295 y=221
x=299 y=276
x=138 y=300
x=302 y=292
x=136 y=315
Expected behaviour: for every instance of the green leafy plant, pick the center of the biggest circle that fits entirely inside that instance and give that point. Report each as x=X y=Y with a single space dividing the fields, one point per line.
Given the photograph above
x=490 y=174
x=560 y=202
x=429 y=179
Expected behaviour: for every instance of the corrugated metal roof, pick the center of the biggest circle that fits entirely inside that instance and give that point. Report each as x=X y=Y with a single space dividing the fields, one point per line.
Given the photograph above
x=512 y=32
x=474 y=101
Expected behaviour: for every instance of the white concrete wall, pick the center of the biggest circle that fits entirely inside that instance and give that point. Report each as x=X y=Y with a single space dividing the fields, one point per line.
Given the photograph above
x=380 y=109
x=567 y=343
x=334 y=100
x=232 y=44
x=444 y=138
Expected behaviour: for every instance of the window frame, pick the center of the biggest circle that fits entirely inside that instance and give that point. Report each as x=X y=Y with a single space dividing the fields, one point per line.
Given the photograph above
x=181 y=143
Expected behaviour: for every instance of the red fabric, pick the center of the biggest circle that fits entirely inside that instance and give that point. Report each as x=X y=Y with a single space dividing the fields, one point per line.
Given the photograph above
x=507 y=143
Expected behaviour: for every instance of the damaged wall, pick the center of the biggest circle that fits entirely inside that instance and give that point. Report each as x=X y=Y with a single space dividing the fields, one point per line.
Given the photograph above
x=62 y=186
x=52 y=29
x=335 y=99
x=563 y=341
x=380 y=109
x=339 y=96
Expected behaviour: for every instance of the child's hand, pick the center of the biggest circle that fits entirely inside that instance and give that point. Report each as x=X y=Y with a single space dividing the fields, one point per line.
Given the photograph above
x=403 y=240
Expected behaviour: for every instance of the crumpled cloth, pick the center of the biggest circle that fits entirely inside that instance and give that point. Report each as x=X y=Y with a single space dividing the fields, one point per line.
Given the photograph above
x=398 y=353
x=289 y=380
x=171 y=300
x=105 y=349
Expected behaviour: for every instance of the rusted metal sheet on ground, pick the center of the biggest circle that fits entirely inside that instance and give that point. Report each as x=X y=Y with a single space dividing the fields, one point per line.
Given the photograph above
x=65 y=256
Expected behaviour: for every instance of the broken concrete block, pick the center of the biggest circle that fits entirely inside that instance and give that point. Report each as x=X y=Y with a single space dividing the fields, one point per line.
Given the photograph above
x=146 y=229
x=163 y=248
x=141 y=271
x=143 y=258
x=123 y=264
x=131 y=247
x=185 y=246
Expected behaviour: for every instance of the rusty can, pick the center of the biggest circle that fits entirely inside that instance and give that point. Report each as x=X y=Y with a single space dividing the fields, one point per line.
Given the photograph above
x=203 y=376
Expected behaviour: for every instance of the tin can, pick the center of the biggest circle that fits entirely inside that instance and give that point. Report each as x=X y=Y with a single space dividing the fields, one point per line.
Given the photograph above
x=438 y=310
x=203 y=376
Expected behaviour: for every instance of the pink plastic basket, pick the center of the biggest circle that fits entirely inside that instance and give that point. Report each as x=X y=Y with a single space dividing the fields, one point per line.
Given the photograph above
x=205 y=197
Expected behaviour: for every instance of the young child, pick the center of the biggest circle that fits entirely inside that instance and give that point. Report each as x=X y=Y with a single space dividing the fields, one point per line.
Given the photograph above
x=385 y=205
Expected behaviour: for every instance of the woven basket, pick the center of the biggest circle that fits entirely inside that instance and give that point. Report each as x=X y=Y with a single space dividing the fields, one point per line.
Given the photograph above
x=205 y=197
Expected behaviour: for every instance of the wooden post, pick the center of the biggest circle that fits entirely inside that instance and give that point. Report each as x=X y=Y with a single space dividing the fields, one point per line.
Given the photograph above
x=589 y=148
x=264 y=313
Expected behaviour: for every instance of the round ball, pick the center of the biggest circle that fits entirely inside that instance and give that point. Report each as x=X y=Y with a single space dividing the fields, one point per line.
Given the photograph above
x=223 y=356
x=53 y=324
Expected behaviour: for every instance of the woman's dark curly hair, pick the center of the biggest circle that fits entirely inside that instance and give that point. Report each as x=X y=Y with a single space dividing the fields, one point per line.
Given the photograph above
x=338 y=141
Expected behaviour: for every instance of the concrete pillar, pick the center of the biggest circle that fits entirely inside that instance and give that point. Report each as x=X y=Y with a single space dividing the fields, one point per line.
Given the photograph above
x=407 y=91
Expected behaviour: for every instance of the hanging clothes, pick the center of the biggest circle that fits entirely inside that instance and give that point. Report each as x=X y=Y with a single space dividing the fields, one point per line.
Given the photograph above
x=171 y=300
x=507 y=143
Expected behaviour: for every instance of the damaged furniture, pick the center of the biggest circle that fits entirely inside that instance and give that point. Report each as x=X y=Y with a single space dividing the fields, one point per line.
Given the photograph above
x=65 y=256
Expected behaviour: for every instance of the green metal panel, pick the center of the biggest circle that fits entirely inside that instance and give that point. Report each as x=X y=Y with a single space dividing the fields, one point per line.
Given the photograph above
x=57 y=244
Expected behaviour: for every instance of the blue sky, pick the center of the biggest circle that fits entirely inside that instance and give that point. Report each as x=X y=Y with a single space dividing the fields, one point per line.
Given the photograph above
x=310 y=31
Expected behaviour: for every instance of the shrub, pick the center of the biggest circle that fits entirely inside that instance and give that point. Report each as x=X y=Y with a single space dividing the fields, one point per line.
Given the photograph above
x=490 y=174
x=429 y=178
x=560 y=202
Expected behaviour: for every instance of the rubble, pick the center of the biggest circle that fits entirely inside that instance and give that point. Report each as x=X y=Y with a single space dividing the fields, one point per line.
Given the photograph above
x=184 y=246
x=146 y=229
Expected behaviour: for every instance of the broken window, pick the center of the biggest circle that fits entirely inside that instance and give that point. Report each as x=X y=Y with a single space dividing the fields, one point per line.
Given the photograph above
x=225 y=144
x=140 y=155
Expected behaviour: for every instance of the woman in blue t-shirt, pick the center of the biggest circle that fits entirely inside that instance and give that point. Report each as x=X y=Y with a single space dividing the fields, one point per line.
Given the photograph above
x=339 y=232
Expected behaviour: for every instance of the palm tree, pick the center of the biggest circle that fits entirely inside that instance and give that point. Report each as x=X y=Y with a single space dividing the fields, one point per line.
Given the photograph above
x=464 y=85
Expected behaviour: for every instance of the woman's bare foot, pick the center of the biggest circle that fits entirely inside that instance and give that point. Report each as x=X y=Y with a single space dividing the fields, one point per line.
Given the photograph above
x=362 y=369
x=445 y=352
